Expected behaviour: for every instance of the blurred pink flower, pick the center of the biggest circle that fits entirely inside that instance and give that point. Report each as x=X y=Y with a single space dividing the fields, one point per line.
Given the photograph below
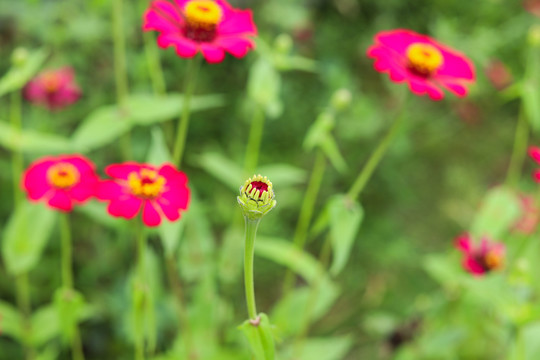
x=61 y=181
x=159 y=191
x=54 y=89
x=422 y=62
x=481 y=259
x=534 y=152
x=498 y=74
x=532 y=6
x=211 y=27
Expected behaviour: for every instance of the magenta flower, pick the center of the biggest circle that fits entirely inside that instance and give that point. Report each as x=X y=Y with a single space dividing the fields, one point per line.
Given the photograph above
x=211 y=27
x=61 y=182
x=481 y=259
x=424 y=63
x=534 y=152
x=54 y=89
x=159 y=191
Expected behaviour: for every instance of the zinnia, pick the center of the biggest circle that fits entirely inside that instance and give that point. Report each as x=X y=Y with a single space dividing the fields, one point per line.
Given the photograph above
x=481 y=259
x=422 y=62
x=211 y=27
x=158 y=191
x=61 y=181
x=54 y=89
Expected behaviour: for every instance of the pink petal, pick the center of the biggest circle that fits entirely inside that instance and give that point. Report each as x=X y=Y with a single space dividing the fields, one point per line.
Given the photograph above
x=400 y=39
x=185 y=47
x=473 y=267
x=61 y=200
x=177 y=196
x=163 y=16
x=35 y=178
x=421 y=87
x=236 y=46
x=455 y=64
x=83 y=165
x=237 y=22
x=534 y=152
x=212 y=53
x=458 y=89
x=169 y=210
x=464 y=244
x=122 y=171
x=109 y=190
x=150 y=215
x=536 y=175
x=84 y=189
x=127 y=206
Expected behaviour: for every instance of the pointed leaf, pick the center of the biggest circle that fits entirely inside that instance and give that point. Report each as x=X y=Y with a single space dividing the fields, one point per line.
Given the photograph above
x=32 y=142
x=10 y=321
x=222 y=168
x=260 y=337
x=25 y=236
x=69 y=305
x=345 y=218
x=19 y=75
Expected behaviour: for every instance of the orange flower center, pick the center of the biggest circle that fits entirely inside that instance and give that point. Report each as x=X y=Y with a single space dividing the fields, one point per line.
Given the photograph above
x=424 y=59
x=202 y=17
x=146 y=183
x=50 y=81
x=493 y=260
x=63 y=175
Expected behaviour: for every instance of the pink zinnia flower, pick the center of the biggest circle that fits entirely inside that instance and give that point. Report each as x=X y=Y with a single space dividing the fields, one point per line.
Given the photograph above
x=481 y=259
x=54 y=89
x=61 y=181
x=422 y=62
x=534 y=152
x=159 y=191
x=211 y=27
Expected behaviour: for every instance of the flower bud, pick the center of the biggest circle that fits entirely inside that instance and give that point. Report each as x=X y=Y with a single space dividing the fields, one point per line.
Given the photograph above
x=256 y=197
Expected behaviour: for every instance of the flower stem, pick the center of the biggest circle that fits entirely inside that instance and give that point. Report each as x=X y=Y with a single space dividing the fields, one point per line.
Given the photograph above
x=17 y=161
x=25 y=307
x=67 y=280
x=249 y=252
x=154 y=65
x=374 y=159
x=181 y=132
x=254 y=141
x=139 y=295
x=519 y=152
x=120 y=73
x=306 y=212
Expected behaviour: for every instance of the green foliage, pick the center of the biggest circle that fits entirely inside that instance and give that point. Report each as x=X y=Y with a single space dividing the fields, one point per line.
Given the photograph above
x=25 y=66
x=260 y=337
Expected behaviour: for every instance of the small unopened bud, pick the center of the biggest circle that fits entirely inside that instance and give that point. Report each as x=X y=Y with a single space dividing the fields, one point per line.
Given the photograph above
x=341 y=99
x=256 y=197
x=534 y=35
x=19 y=56
x=283 y=43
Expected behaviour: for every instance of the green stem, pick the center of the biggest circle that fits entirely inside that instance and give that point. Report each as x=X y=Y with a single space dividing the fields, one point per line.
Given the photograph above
x=17 y=161
x=254 y=142
x=249 y=252
x=139 y=295
x=154 y=65
x=374 y=159
x=25 y=307
x=67 y=279
x=306 y=212
x=519 y=152
x=181 y=132
x=120 y=73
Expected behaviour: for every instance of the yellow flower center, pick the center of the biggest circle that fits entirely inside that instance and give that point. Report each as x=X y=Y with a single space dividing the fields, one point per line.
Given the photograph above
x=63 y=175
x=146 y=183
x=202 y=14
x=50 y=81
x=424 y=59
x=494 y=260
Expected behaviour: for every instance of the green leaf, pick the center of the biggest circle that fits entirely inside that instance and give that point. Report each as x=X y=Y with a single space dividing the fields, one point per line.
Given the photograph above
x=19 y=75
x=51 y=352
x=45 y=325
x=500 y=210
x=260 y=337
x=32 y=142
x=101 y=127
x=69 y=305
x=446 y=270
x=345 y=219
x=10 y=320
x=222 y=168
x=158 y=153
x=331 y=150
x=25 y=237
x=526 y=346
x=319 y=130
x=530 y=95
x=150 y=109
x=264 y=86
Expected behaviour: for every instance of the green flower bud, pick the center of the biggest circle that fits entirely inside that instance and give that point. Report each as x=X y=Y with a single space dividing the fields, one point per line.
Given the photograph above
x=256 y=197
